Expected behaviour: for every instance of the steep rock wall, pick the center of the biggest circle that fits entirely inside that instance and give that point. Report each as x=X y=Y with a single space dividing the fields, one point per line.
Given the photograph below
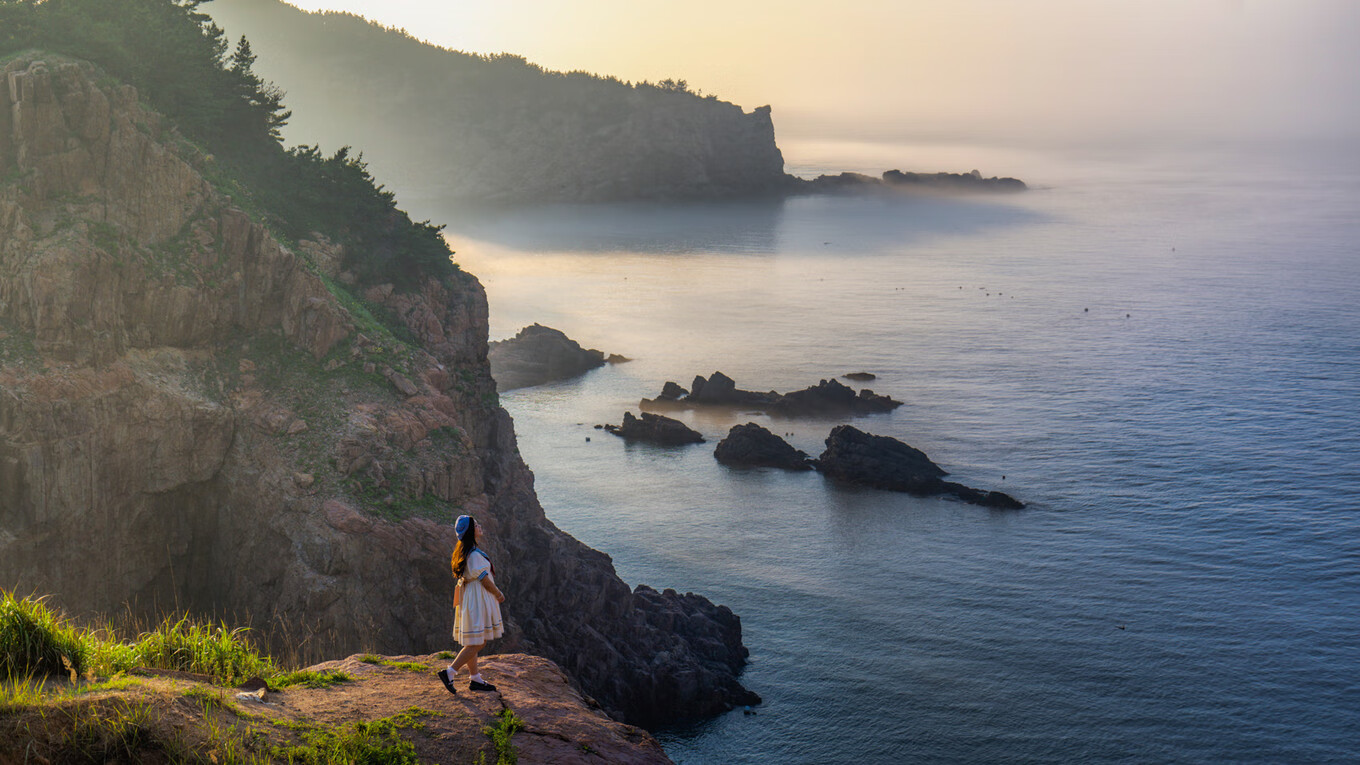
x=194 y=416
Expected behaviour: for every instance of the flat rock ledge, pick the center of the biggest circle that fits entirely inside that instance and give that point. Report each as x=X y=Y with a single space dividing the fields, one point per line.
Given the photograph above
x=751 y=445
x=656 y=429
x=855 y=457
x=828 y=398
x=539 y=355
x=560 y=724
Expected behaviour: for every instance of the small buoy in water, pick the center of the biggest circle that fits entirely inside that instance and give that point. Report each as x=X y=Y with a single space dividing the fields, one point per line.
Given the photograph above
x=1003 y=477
x=1128 y=316
x=1086 y=310
x=587 y=439
x=747 y=711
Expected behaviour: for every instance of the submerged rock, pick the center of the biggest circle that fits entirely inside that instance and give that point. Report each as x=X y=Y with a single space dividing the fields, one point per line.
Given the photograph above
x=539 y=355
x=656 y=429
x=750 y=445
x=881 y=462
x=860 y=376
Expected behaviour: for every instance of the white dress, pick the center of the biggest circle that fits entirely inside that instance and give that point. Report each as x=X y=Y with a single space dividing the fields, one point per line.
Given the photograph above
x=478 y=617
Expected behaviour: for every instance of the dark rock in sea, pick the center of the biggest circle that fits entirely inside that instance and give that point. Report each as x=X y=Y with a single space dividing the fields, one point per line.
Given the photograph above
x=896 y=180
x=616 y=358
x=539 y=355
x=856 y=457
x=672 y=391
x=830 y=397
x=972 y=181
x=750 y=445
x=861 y=376
x=827 y=398
x=992 y=499
x=717 y=389
x=707 y=632
x=656 y=429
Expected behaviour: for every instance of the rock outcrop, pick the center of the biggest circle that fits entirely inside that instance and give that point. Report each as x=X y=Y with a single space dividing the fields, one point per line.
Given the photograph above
x=656 y=429
x=539 y=355
x=750 y=445
x=560 y=726
x=195 y=416
x=828 y=398
x=897 y=181
x=853 y=456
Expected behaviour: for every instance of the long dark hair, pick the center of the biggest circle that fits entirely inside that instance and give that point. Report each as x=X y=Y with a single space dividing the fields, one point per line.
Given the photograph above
x=465 y=546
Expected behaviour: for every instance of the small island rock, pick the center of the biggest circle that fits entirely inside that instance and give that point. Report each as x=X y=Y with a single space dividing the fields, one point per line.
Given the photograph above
x=539 y=355
x=750 y=445
x=856 y=457
x=827 y=398
x=656 y=429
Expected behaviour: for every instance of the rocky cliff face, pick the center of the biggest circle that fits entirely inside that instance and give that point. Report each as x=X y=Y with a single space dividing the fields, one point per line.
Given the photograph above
x=195 y=416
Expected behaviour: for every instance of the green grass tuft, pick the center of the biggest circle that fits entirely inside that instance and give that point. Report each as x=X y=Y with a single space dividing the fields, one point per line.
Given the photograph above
x=409 y=666
x=501 y=733
x=20 y=694
x=224 y=654
x=309 y=679
x=374 y=743
x=35 y=639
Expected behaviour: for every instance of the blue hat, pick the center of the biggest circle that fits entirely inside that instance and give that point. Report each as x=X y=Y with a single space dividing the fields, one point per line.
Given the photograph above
x=461 y=525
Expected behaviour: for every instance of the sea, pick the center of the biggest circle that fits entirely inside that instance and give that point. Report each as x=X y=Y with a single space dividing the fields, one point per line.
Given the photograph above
x=1157 y=350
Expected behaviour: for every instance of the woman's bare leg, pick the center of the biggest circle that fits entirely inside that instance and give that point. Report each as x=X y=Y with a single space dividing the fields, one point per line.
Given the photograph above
x=467 y=657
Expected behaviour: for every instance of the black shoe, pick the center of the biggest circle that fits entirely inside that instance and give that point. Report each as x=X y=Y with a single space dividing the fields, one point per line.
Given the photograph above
x=444 y=678
x=476 y=686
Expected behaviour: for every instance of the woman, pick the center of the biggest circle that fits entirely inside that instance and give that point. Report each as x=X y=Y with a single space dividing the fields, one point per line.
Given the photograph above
x=476 y=602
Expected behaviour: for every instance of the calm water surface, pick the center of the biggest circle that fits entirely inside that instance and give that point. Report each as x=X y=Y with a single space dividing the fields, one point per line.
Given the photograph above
x=1162 y=359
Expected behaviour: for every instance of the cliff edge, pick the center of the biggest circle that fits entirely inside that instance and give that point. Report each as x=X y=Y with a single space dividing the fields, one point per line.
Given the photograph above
x=197 y=416
x=366 y=708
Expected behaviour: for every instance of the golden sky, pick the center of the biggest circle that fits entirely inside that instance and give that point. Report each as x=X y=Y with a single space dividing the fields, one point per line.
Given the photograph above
x=1046 y=70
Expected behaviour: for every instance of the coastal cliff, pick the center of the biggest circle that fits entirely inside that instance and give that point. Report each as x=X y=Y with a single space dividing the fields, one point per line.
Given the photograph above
x=197 y=416
x=500 y=128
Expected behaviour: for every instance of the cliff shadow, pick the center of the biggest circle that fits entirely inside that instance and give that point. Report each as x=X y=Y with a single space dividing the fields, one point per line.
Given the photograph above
x=862 y=224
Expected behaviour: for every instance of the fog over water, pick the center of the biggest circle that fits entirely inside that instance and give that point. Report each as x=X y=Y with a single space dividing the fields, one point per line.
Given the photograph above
x=1137 y=74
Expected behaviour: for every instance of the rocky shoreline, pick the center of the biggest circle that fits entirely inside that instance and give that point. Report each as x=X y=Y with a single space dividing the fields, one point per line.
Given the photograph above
x=258 y=436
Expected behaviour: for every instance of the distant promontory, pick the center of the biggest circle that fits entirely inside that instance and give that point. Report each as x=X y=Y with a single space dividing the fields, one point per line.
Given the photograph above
x=451 y=127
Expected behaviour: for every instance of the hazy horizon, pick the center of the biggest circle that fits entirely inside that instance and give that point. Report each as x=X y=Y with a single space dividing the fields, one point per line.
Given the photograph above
x=1052 y=71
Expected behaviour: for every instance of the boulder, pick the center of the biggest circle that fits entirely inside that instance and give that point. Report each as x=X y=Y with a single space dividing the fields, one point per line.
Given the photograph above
x=860 y=376
x=750 y=445
x=539 y=355
x=656 y=429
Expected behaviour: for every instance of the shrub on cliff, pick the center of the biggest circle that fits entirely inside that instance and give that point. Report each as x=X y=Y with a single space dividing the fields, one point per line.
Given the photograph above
x=182 y=63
